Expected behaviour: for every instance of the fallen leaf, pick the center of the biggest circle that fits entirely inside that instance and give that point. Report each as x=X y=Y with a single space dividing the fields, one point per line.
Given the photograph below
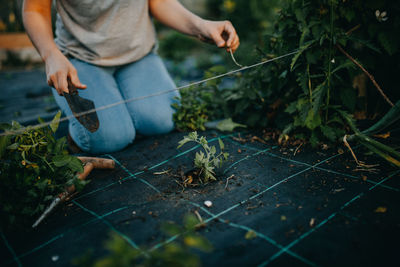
x=250 y=235
x=384 y=136
x=380 y=209
x=312 y=222
x=283 y=218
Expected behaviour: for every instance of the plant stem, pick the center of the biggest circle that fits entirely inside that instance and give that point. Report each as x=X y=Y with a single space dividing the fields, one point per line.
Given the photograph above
x=309 y=83
x=367 y=73
x=329 y=65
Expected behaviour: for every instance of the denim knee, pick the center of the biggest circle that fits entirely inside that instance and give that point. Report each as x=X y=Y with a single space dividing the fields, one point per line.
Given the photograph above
x=110 y=137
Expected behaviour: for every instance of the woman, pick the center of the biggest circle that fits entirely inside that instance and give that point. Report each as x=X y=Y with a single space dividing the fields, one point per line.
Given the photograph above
x=107 y=48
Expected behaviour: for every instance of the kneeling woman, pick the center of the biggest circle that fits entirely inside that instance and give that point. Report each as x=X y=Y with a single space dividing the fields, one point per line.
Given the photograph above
x=107 y=48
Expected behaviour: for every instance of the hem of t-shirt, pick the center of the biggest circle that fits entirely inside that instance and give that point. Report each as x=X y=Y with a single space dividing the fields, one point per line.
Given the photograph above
x=104 y=62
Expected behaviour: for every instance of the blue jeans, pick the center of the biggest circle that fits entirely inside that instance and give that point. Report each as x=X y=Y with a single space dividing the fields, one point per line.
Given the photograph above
x=119 y=124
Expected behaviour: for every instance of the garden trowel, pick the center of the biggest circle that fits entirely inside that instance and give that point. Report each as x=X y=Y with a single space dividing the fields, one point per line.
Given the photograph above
x=83 y=109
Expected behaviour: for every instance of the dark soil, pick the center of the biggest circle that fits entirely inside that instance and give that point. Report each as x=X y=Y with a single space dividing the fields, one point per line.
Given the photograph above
x=311 y=208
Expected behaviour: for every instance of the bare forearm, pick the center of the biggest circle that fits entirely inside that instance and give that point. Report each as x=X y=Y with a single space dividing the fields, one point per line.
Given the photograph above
x=176 y=16
x=37 y=22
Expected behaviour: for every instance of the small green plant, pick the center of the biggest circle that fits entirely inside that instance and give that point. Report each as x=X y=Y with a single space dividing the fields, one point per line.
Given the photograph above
x=200 y=104
x=178 y=253
x=208 y=160
x=34 y=168
x=191 y=112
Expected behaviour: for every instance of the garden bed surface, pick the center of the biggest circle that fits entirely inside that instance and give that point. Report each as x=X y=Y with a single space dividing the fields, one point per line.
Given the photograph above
x=308 y=208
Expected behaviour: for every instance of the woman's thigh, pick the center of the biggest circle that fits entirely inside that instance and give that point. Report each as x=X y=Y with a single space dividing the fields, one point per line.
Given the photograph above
x=152 y=115
x=116 y=128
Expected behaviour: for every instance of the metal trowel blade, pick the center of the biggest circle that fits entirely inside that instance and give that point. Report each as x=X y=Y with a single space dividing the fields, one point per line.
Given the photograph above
x=83 y=110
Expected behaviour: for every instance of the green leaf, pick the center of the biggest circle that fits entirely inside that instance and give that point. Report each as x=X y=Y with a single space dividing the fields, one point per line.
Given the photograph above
x=75 y=164
x=5 y=126
x=349 y=98
x=61 y=160
x=4 y=142
x=313 y=120
x=13 y=146
x=213 y=150
x=190 y=221
x=221 y=144
x=328 y=132
x=389 y=43
x=184 y=141
x=199 y=242
x=346 y=65
x=228 y=125
x=298 y=54
x=171 y=228
x=55 y=122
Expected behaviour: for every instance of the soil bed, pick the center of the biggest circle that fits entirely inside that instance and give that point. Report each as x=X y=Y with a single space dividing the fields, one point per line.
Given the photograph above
x=309 y=208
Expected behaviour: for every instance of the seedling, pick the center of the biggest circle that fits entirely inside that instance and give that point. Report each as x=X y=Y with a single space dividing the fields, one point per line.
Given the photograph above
x=208 y=160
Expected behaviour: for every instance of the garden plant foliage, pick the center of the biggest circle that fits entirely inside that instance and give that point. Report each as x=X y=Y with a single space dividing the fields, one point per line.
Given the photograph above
x=34 y=168
x=305 y=95
x=208 y=160
x=309 y=95
x=177 y=253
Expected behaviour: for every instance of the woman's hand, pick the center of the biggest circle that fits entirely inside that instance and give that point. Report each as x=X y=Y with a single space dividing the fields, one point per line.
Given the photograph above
x=59 y=70
x=176 y=16
x=37 y=22
x=222 y=33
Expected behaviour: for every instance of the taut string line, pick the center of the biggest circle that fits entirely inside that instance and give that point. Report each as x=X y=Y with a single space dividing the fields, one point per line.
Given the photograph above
x=41 y=125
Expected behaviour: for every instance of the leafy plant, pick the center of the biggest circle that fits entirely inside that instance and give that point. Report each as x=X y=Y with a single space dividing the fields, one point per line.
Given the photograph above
x=191 y=112
x=199 y=104
x=307 y=96
x=34 y=168
x=178 y=253
x=208 y=160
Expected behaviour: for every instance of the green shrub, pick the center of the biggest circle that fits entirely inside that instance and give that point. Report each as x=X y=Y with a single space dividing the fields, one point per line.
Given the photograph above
x=34 y=168
x=309 y=94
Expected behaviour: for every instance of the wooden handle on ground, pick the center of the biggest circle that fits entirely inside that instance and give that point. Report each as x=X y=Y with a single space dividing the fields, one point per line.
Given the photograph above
x=99 y=163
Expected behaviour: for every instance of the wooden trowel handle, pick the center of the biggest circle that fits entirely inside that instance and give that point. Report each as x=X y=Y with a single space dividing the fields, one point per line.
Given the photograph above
x=99 y=163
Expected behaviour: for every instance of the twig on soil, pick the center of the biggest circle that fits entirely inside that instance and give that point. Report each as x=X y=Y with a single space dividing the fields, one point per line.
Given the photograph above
x=297 y=149
x=162 y=172
x=256 y=138
x=90 y=163
x=367 y=73
x=239 y=139
x=198 y=216
x=183 y=188
x=227 y=180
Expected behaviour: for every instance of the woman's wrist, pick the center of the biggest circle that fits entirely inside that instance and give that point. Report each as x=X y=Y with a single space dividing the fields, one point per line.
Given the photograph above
x=197 y=26
x=49 y=53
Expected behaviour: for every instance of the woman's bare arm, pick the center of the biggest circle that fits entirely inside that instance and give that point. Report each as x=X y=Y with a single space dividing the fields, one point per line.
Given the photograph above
x=176 y=16
x=37 y=22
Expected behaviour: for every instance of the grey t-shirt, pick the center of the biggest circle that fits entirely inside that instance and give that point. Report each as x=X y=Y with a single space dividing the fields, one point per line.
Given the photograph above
x=104 y=32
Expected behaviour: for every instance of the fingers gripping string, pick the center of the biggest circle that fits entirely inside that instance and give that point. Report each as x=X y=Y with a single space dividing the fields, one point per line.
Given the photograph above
x=242 y=68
